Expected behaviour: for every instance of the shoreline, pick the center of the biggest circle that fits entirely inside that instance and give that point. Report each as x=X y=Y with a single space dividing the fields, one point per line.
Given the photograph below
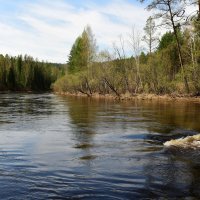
x=129 y=97
x=25 y=91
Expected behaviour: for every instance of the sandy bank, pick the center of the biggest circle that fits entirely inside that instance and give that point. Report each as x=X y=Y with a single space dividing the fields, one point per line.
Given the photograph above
x=129 y=97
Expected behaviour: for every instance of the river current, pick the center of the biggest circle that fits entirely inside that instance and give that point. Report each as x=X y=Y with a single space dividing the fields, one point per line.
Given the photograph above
x=54 y=147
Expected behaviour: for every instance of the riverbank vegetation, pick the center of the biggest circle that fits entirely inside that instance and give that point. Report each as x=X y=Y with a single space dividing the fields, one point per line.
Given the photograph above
x=26 y=74
x=169 y=65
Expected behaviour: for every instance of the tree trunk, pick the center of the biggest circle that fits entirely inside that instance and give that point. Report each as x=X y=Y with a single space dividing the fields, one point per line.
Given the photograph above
x=199 y=10
x=179 y=49
x=88 y=86
x=111 y=87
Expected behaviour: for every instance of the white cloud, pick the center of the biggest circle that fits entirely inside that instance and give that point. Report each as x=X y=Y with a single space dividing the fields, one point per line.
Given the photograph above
x=50 y=27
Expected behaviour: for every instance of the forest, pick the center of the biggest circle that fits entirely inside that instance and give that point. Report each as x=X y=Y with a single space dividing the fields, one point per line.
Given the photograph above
x=169 y=65
x=23 y=73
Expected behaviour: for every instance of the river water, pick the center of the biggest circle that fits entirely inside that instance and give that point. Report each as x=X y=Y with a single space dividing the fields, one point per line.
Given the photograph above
x=54 y=147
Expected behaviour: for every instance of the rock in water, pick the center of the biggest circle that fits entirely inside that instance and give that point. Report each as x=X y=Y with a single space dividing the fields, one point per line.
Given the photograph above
x=187 y=142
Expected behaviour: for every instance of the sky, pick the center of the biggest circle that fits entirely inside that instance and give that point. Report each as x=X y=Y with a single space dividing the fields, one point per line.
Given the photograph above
x=47 y=29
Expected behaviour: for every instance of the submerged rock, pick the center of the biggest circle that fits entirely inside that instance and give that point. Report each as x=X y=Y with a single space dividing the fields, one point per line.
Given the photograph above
x=187 y=142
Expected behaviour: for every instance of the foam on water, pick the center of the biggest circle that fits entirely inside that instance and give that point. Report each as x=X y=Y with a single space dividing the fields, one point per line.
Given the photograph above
x=187 y=142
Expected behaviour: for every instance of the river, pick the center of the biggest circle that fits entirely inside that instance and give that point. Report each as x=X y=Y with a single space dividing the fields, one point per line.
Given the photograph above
x=54 y=147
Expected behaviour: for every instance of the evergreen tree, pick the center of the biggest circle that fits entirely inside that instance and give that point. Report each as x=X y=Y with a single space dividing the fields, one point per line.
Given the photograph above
x=25 y=73
x=82 y=52
x=11 y=77
x=167 y=39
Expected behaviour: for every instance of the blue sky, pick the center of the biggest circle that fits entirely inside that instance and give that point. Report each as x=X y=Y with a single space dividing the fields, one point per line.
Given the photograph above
x=46 y=29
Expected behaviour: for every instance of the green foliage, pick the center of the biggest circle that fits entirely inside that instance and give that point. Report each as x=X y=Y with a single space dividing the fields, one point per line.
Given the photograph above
x=143 y=58
x=83 y=52
x=167 y=39
x=77 y=60
x=25 y=73
x=158 y=72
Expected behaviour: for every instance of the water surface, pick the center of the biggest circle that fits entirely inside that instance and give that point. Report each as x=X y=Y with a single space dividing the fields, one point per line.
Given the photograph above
x=54 y=147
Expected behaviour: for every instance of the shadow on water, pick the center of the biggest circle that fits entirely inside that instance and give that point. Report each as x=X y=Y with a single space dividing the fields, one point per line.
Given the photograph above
x=82 y=112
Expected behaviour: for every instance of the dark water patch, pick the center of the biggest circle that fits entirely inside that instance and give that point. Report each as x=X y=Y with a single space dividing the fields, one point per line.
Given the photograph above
x=88 y=157
x=84 y=146
x=134 y=137
x=6 y=122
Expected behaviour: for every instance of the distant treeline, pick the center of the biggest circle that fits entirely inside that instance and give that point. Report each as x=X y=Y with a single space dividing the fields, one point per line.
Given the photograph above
x=170 y=64
x=23 y=73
